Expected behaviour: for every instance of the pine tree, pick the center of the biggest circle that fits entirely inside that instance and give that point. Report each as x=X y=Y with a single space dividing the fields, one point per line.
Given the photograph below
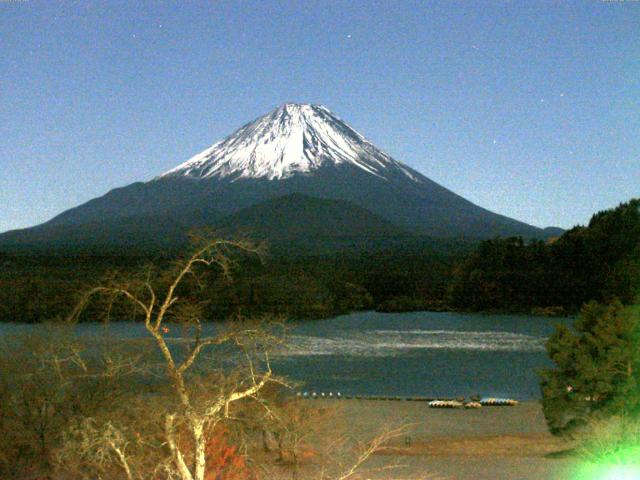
x=596 y=367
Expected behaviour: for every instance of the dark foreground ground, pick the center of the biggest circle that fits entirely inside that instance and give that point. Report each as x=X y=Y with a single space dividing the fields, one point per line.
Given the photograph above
x=488 y=443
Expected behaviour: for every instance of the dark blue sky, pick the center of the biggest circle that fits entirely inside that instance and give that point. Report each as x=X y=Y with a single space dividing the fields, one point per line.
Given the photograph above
x=530 y=109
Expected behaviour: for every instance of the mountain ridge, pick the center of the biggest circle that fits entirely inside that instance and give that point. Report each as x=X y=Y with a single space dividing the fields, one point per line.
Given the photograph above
x=302 y=149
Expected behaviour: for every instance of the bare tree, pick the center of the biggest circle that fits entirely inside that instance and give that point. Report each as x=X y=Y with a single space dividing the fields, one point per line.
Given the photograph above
x=181 y=426
x=194 y=413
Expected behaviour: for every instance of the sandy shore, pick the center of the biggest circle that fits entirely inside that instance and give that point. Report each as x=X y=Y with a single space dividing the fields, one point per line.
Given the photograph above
x=488 y=443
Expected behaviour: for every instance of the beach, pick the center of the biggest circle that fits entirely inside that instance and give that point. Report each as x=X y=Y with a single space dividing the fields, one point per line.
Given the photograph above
x=486 y=443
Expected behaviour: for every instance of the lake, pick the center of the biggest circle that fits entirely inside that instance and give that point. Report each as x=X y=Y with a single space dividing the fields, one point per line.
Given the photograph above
x=405 y=354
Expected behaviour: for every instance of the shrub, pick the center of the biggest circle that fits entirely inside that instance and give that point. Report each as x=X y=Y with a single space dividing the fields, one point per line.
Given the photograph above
x=596 y=367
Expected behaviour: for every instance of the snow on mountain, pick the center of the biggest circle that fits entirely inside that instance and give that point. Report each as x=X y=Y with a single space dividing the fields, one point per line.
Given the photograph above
x=285 y=165
x=292 y=139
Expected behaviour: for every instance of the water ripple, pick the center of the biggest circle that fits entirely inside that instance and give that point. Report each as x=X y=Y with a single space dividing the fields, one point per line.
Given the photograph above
x=394 y=342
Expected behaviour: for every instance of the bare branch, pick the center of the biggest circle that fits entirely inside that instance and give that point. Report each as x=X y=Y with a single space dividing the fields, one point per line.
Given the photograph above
x=370 y=449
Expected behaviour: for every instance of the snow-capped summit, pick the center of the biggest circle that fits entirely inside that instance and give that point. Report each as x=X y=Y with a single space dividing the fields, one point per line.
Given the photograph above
x=298 y=172
x=294 y=138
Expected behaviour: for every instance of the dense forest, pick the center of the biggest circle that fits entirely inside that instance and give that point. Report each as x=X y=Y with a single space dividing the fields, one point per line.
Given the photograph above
x=42 y=287
x=600 y=261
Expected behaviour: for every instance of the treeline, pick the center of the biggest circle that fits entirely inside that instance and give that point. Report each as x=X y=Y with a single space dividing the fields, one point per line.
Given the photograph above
x=322 y=287
x=598 y=262
x=38 y=288
x=35 y=288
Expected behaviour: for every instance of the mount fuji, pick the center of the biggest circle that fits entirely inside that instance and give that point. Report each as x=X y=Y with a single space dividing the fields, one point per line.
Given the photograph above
x=293 y=139
x=299 y=170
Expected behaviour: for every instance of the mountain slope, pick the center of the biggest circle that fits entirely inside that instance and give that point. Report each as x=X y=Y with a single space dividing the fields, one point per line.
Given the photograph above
x=306 y=223
x=295 y=149
x=143 y=232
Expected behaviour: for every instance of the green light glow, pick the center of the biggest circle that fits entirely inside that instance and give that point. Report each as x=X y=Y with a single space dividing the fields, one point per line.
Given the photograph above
x=622 y=472
x=609 y=472
x=622 y=463
x=610 y=449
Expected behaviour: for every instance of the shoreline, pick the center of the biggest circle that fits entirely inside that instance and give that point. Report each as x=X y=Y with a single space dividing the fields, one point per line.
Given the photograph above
x=294 y=320
x=490 y=442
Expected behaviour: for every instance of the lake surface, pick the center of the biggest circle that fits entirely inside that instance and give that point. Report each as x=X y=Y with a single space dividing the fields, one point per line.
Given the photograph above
x=405 y=354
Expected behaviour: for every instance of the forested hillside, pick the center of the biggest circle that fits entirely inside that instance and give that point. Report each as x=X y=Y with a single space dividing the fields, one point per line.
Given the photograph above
x=411 y=277
x=598 y=262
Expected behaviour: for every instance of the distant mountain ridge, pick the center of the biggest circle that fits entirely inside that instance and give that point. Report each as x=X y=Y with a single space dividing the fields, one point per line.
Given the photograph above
x=301 y=152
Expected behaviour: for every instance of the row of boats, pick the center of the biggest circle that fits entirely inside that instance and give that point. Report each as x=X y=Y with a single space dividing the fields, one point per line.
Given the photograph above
x=483 y=402
x=432 y=402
